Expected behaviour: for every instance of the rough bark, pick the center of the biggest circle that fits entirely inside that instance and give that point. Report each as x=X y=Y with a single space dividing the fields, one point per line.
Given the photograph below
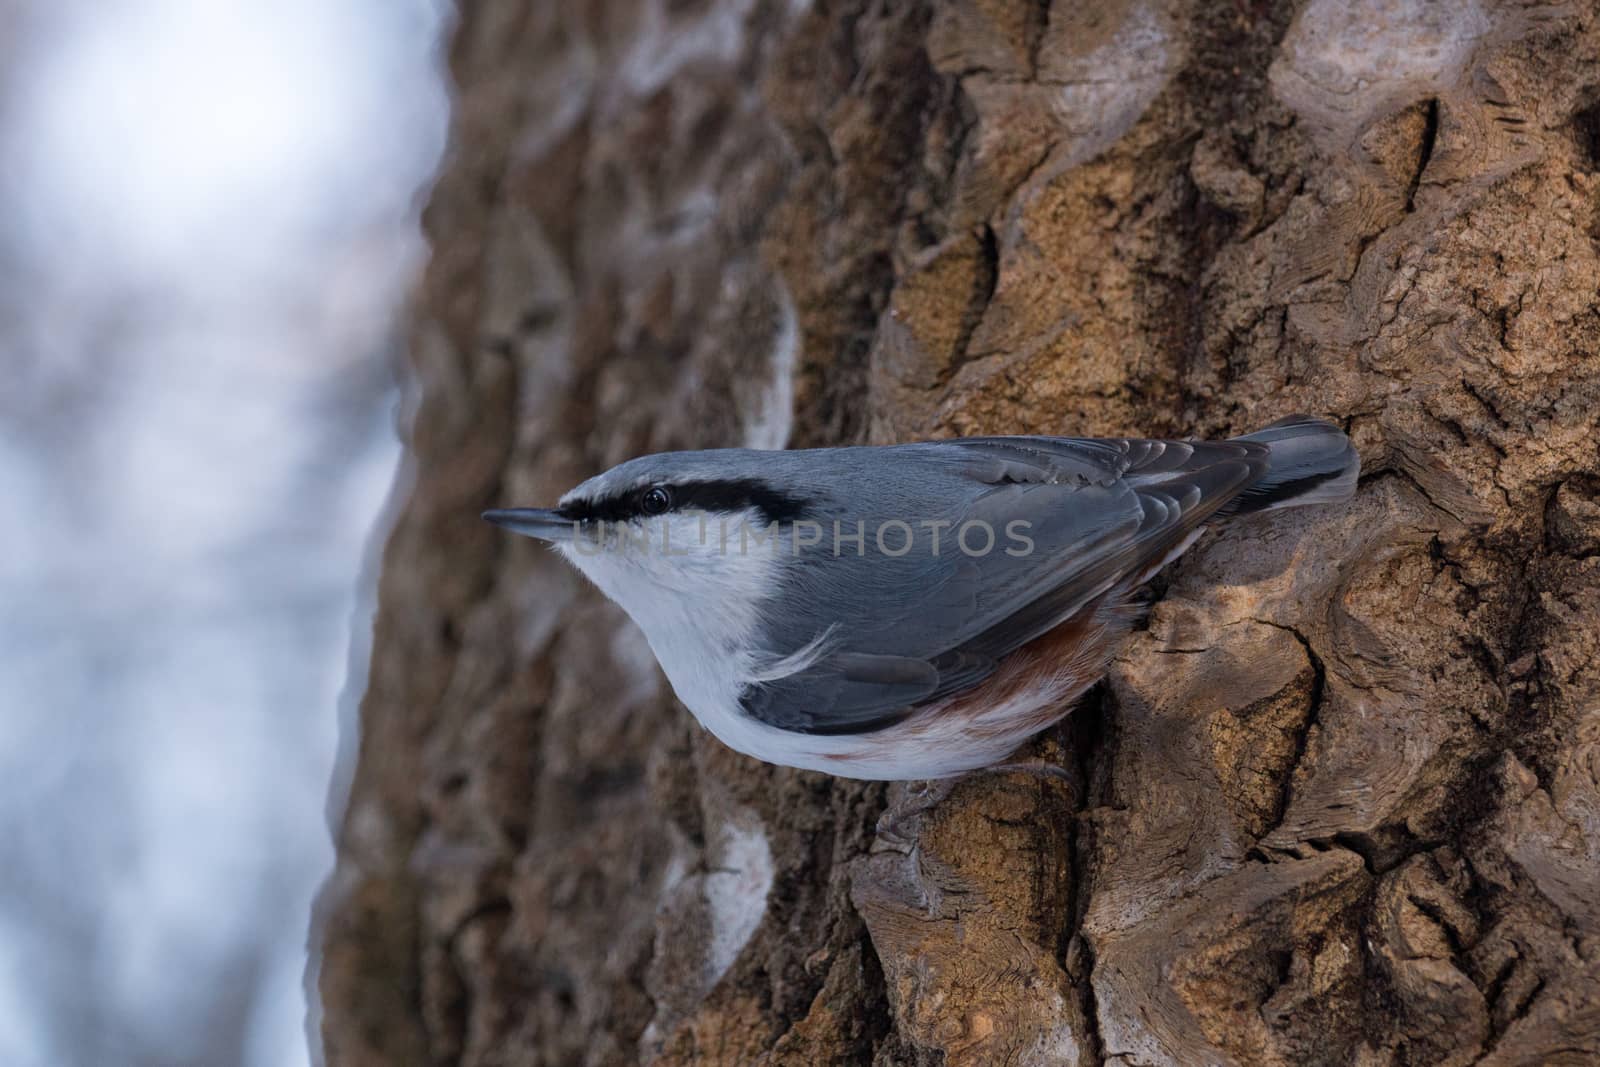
x=1338 y=802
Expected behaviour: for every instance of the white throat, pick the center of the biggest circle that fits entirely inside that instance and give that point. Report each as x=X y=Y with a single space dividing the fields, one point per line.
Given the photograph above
x=693 y=584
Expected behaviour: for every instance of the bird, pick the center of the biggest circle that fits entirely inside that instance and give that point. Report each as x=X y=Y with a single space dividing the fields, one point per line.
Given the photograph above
x=910 y=611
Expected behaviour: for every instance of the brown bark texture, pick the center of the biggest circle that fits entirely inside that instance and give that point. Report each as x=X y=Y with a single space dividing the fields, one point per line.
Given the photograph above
x=1337 y=802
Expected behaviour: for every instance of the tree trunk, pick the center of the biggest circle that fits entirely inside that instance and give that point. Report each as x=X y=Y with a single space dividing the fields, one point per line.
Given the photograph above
x=1338 y=803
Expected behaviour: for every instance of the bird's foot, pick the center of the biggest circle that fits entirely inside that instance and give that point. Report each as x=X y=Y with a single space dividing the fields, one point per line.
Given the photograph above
x=1039 y=768
x=918 y=799
x=921 y=797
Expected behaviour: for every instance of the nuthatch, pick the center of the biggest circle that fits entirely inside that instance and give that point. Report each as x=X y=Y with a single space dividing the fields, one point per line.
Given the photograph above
x=909 y=611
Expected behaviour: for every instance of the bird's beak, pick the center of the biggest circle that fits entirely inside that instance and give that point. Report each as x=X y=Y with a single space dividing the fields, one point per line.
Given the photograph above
x=542 y=523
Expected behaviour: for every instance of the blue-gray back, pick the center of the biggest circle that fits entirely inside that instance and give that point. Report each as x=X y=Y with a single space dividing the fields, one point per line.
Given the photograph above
x=901 y=628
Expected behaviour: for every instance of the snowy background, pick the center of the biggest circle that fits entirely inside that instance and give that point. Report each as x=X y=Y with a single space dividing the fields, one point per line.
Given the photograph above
x=207 y=224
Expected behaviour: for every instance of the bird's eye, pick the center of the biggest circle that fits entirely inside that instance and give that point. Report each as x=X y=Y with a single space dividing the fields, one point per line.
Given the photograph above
x=656 y=500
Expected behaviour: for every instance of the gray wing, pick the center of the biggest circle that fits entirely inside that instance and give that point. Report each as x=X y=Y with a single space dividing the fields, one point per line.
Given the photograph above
x=908 y=630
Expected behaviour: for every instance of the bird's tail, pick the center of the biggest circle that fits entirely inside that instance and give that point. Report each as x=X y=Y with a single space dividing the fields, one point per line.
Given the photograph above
x=1313 y=462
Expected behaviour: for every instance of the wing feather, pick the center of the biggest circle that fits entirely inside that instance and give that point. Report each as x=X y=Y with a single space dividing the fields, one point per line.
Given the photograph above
x=910 y=629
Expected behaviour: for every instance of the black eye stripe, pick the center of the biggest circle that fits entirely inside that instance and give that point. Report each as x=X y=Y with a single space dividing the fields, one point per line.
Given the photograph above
x=735 y=494
x=738 y=495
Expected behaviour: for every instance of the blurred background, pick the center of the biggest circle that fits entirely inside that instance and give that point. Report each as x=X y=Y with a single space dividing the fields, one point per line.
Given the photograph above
x=208 y=225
